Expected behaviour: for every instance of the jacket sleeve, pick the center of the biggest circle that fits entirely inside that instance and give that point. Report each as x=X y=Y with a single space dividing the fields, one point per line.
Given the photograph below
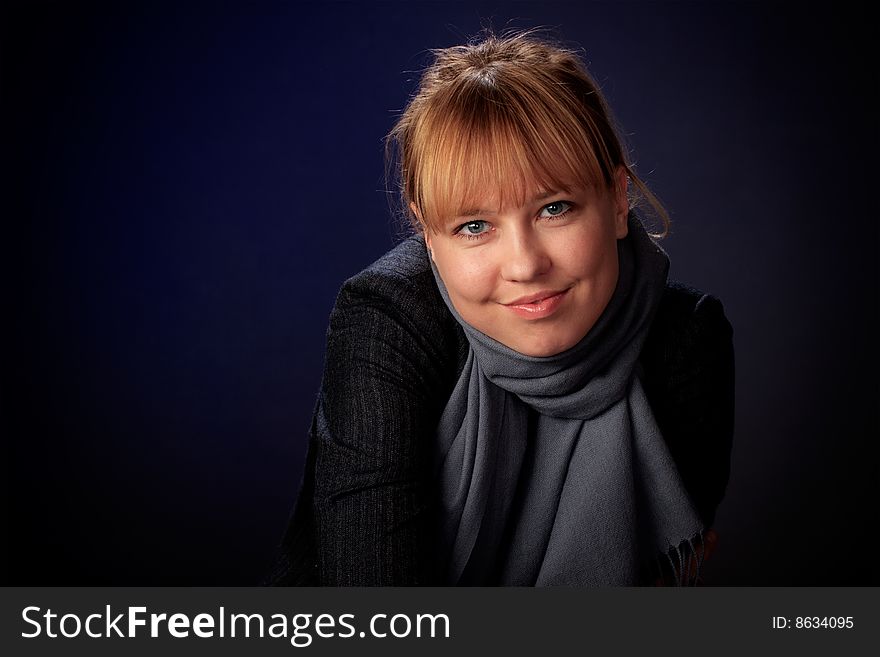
x=695 y=393
x=379 y=403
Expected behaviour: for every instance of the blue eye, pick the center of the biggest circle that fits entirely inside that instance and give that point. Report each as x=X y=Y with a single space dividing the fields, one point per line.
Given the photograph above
x=555 y=209
x=473 y=228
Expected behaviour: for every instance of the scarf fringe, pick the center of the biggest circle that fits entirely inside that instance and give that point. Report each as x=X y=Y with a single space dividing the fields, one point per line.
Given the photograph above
x=681 y=564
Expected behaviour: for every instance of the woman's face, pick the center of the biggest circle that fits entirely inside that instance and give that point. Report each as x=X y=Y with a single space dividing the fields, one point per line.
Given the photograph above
x=535 y=277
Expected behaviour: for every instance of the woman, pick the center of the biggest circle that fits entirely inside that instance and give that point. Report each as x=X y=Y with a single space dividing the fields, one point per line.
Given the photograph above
x=515 y=394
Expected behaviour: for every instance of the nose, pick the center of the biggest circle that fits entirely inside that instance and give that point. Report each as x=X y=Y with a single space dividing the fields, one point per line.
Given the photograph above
x=524 y=258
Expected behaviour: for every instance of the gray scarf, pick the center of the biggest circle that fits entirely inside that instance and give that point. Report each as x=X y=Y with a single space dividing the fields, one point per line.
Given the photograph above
x=582 y=491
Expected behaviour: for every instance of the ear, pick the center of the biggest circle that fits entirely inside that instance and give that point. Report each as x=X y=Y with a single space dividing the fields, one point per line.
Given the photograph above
x=621 y=202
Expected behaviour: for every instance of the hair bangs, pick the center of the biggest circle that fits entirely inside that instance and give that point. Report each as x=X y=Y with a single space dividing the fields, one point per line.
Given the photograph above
x=503 y=149
x=500 y=120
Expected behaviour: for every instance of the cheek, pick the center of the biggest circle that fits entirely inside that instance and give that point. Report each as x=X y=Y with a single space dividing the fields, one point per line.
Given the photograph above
x=467 y=277
x=588 y=258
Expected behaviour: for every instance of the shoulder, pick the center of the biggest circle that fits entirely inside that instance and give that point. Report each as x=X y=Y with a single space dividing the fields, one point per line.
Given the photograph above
x=689 y=310
x=690 y=344
x=393 y=309
x=400 y=283
x=403 y=268
x=687 y=320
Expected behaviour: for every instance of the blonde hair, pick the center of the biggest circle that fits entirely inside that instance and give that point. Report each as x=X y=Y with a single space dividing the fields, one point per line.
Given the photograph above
x=505 y=112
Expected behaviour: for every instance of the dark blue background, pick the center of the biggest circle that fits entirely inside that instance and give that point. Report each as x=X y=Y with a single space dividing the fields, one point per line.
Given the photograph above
x=187 y=187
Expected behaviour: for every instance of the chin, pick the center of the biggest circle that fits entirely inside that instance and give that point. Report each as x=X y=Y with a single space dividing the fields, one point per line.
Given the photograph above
x=543 y=348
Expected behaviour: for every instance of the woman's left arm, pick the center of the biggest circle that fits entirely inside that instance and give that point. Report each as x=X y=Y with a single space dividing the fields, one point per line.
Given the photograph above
x=690 y=381
x=707 y=395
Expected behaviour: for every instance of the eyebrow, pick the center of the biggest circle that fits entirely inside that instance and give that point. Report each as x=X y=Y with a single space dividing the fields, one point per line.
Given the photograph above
x=470 y=212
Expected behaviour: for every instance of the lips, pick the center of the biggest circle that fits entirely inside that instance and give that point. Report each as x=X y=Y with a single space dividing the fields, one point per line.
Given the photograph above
x=534 y=298
x=539 y=305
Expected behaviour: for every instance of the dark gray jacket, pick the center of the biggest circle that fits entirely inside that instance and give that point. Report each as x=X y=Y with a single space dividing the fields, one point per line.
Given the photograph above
x=394 y=353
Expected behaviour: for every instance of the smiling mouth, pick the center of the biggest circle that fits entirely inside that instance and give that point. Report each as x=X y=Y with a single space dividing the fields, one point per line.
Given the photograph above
x=539 y=305
x=533 y=299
